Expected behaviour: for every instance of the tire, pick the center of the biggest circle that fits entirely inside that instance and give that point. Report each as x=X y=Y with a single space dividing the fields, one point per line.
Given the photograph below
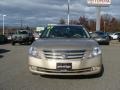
x=13 y=43
x=27 y=43
x=20 y=43
x=31 y=42
x=108 y=43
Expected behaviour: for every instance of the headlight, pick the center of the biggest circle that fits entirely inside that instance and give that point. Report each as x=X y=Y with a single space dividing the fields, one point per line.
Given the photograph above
x=33 y=51
x=95 y=52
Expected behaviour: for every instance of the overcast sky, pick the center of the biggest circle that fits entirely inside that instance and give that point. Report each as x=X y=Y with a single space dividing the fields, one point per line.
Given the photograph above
x=39 y=12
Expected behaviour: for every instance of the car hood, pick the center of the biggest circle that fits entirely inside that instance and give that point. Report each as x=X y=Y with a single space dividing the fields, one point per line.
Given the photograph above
x=65 y=44
x=19 y=35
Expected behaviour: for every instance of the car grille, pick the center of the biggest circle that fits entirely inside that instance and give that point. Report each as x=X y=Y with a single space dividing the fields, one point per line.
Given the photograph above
x=64 y=54
x=17 y=38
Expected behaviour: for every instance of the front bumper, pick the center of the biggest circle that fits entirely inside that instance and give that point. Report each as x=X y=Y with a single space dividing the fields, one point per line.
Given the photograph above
x=79 y=67
x=20 y=39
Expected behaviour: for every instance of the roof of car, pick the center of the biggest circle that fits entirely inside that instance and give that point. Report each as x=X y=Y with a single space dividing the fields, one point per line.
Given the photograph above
x=98 y=31
x=64 y=25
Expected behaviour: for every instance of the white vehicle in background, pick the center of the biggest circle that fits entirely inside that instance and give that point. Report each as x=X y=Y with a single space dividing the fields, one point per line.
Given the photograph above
x=38 y=32
x=114 y=36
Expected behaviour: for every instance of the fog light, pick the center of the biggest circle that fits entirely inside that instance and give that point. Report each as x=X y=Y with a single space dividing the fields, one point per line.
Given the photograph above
x=33 y=67
x=93 y=68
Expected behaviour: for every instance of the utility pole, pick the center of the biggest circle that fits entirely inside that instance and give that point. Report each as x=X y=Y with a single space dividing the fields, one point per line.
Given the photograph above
x=68 y=12
x=4 y=24
x=98 y=18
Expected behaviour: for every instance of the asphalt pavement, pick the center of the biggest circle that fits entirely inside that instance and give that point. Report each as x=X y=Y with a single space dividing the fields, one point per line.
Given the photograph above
x=14 y=73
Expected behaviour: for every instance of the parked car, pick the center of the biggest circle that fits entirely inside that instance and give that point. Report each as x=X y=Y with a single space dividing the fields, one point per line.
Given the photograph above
x=22 y=36
x=101 y=37
x=114 y=36
x=3 y=39
x=65 y=50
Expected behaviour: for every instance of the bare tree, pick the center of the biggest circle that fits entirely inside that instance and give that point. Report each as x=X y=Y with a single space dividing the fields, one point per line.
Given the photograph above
x=62 y=21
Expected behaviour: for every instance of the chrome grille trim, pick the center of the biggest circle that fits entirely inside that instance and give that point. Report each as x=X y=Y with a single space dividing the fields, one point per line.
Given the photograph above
x=64 y=54
x=67 y=51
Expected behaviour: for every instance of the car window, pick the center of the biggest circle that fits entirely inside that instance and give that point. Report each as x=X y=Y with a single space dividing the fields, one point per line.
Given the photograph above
x=118 y=33
x=23 y=32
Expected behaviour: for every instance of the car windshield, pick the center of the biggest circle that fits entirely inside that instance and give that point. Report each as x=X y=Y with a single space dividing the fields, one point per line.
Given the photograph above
x=64 y=32
x=22 y=32
x=101 y=34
